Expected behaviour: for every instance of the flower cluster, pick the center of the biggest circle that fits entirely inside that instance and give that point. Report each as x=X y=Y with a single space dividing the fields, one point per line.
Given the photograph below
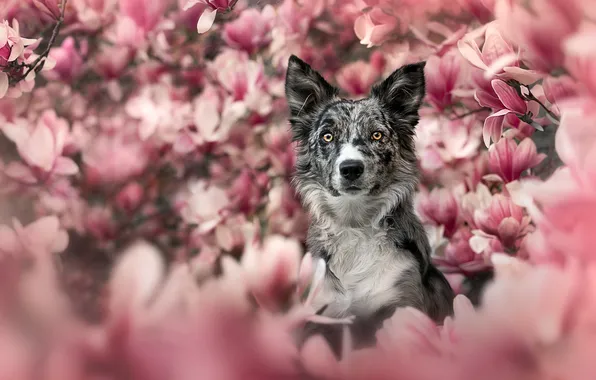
x=150 y=230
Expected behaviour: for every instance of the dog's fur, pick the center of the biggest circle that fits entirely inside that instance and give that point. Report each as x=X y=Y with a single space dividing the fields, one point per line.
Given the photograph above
x=375 y=247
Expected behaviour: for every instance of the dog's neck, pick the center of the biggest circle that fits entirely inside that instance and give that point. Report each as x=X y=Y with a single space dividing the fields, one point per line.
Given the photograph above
x=333 y=214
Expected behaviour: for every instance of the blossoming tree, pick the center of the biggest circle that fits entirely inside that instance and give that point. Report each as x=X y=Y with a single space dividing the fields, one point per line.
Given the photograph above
x=150 y=229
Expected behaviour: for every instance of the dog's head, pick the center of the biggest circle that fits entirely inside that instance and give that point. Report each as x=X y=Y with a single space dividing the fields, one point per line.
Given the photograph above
x=354 y=150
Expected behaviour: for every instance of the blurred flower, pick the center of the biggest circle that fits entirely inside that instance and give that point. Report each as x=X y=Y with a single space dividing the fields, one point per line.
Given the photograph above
x=458 y=256
x=41 y=145
x=44 y=236
x=205 y=205
x=441 y=78
x=439 y=207
x=208 y=16
x=145 y=13
x=540 y=29
x=507 y=160
x=114 y=158
x=558 y=90
x=503 y=219
x=357 y=77
x=251 y=30
x=130 y=196
x=69 y=62
x=374 y=27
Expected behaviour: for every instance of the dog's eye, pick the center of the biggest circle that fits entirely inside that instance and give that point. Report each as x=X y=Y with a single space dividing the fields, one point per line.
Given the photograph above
x=327 y=137
x=377 y=135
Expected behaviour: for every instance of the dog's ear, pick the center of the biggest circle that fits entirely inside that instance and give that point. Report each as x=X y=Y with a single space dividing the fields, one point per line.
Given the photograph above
x=306 y=89
x=402 y=92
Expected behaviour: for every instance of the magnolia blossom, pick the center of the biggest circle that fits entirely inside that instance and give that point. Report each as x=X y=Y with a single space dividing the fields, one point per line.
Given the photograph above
x=69 y=62
x=13 y=48
x=374 y=27
x=442 y=75
x=357 y=77
x=440 y=207
x=507 y=160
x=41 y=145
x=205 y=205
x=251 y=31
x=502 y=219
x=44 y=236
x=208 y=16
x=535 y=30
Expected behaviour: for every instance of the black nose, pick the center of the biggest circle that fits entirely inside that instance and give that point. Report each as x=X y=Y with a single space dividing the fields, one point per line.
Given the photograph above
x=351 y=169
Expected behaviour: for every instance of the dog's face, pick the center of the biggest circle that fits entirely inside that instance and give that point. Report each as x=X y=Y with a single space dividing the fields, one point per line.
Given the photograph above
x=354 y=149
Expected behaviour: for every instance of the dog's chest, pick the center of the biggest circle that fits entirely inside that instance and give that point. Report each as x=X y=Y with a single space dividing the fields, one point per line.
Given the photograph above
x=365 y=269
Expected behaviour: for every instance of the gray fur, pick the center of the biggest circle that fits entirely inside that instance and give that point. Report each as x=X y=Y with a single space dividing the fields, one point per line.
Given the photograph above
x=376 y=249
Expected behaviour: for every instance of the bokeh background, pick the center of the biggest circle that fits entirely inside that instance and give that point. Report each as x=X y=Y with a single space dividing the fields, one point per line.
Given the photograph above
x=164 y=121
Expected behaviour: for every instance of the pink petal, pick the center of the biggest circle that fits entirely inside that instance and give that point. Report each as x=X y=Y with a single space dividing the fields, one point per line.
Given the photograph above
x=508 y=96
x=19 y=172
x=523 y=76
x=40 y=234
x=319 y=359
x=493 y=127
x=39 y=149
x=486 y=99
x=305 y=273
x=206 y=20
x=8 y=240
x=3 y=84
x=65 y=166
x=469 y=49
x=499 y=64
x=135 y=278
x=524 y=155
x=191 y=3
x=508 y=230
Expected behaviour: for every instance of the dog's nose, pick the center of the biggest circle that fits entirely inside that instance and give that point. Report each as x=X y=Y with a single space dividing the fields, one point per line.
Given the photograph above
x=351 y=169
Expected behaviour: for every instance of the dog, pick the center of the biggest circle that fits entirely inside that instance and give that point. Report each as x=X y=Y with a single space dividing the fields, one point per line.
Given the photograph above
x=356 y=174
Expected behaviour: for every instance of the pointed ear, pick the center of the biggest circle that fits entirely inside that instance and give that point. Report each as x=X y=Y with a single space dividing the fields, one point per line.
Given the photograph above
x=403 y=91
x=306 y=89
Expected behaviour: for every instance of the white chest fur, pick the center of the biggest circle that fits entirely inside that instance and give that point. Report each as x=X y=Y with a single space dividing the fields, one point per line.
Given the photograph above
x=367 y=267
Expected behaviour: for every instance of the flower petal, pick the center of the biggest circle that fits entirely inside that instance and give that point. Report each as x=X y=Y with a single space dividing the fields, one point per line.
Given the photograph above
x=206 y=20
x=508 y=96
x=65 y=166
x=3 y=84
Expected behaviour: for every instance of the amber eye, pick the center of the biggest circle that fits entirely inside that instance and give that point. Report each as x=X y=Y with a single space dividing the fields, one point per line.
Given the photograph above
x=327 y=137
x=377 y=135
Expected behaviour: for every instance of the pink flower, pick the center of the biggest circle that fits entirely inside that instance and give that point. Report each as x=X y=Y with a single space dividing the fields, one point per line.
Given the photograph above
x=507 y=160
x=145 y=13
x=458 y=256
x=503 y=219
x=357 y=77
x=251 y=30
x=99 y=222
x=44 y=236
x=541 y=29
x=41 y=145
x=439 y=207
x=112 y=61
x=205 y=205
x=69 y=63
x=441 y=78
x=496 y=53
x=208 y=17
x=245 y=192
x=559 y=89
x=244 y=80
x=12 y=49
x=114 y=158
x=272 y=270
x=512 y=103
x=374 y=27
x=130 y=196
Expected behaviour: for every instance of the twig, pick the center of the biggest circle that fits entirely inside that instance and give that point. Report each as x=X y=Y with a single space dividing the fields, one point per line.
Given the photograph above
x=469 y=113
x=55 y=31
x=531 y=96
